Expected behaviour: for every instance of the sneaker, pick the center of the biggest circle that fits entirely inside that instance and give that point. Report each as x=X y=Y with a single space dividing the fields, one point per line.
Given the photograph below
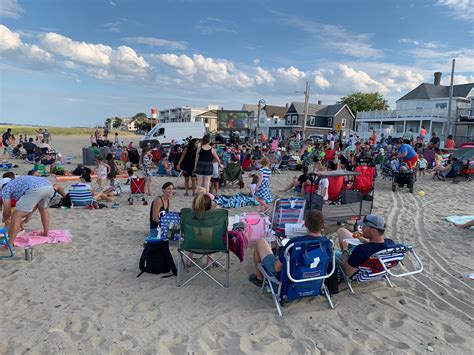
x=116 y=205
x=253 y=279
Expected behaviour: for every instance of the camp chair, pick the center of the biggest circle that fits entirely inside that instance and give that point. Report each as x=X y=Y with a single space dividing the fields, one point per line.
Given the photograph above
x=5 y=242
x=306 y=267
x=336 y=185
x=287 y=210
x=81 y=196
x=233 y=173
x=365 y=181
x=204 y=233
x=380 y=265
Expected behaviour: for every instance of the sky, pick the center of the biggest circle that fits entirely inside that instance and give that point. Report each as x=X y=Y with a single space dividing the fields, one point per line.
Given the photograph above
x=75 y=63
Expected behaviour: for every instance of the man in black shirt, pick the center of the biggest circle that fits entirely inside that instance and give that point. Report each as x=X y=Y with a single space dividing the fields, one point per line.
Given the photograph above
x=434 y=141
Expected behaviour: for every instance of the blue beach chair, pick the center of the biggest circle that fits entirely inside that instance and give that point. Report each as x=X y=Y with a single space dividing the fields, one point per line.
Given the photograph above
x=5 y=242
x=307 y=260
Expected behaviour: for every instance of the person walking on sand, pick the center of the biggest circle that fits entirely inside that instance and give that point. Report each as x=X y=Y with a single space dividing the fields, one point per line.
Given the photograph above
x=146 y=162
x=30 y=193
x=204 y=157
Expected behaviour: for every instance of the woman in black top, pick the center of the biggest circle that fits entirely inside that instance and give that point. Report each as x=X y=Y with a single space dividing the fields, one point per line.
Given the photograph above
x=204 y=157
x=160 y=206
x=187 y=163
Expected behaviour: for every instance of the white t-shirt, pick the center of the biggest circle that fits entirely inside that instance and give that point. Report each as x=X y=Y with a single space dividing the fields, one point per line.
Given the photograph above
x=323 y=186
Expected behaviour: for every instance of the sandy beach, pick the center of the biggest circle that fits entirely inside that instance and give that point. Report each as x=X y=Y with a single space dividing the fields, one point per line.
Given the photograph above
x=84 y=297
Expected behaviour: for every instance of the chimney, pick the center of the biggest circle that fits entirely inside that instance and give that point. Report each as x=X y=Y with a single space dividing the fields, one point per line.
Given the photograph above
x=437 y=78
x=286 y=105
x=320 y=102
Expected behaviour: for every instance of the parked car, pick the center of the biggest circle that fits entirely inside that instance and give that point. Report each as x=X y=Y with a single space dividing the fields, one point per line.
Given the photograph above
x=316 y=138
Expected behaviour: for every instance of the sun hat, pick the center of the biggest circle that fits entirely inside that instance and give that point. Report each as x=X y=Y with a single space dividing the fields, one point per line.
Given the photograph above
x=374 y=221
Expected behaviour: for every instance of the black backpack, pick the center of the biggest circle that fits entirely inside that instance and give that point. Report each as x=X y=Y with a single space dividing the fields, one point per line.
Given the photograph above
x=157 y=259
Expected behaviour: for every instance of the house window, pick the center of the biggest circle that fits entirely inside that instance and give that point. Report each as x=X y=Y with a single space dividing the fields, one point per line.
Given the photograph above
x=206 y=120
x=275 y=121
x=343 y=122
x=288 y=120
x=294 y=119
x=442 y=105
x=312 y=120
x=330 y=122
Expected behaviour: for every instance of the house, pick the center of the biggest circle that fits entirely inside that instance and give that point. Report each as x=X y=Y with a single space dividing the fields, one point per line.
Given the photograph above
x=426 y=105
x=271 y=120
x=209 y=118
x=182 y=113
x=320 y=119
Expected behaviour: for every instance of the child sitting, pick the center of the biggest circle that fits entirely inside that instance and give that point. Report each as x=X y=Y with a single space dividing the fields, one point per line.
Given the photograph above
x=115 y=189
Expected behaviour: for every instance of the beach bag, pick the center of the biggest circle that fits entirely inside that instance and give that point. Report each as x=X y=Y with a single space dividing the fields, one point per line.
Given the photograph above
x=256 y=225
x=170 y=222
x=156 y=258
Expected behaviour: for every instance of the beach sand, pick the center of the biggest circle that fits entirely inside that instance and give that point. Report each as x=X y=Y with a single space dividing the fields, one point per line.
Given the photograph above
x=84 y=297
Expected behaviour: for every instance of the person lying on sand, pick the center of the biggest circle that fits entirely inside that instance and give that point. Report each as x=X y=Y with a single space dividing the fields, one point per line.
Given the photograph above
x=465 y=225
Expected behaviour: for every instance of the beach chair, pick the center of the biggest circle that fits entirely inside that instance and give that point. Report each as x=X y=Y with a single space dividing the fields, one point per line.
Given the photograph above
x=205 y=234
x=365 y=181
x=233 y=173
x=287 y=210
x=307 y=260
x=336 y=185
x=379 y=266
x=81 y=196
x=137 y=191
x=4 y=243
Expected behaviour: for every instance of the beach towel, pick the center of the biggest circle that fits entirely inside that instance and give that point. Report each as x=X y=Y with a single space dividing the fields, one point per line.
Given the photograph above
x=32 y=238
x=460 y=220
x=235 y=201
x=76 y=178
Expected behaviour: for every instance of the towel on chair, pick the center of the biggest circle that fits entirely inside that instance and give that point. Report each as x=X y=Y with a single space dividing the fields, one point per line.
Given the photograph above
x=460 y=220
x=29 y=239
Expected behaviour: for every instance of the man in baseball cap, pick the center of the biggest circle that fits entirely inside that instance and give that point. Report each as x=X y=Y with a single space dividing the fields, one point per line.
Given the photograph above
x=357 y=248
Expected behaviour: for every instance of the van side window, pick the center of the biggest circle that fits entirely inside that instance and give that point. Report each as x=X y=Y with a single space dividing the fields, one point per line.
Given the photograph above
x=160 y=132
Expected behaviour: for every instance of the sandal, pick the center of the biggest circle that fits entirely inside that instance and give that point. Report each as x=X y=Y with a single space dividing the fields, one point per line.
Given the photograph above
x=253 y=279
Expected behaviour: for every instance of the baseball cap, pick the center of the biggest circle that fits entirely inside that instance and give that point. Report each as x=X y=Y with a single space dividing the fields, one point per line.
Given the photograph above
x=4 y=181
x=374 y=221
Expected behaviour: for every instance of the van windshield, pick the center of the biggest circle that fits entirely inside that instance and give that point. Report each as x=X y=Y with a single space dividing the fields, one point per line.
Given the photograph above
x=160 y=132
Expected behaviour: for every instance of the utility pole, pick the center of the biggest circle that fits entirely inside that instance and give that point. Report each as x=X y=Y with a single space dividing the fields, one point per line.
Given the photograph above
x=305 y=115
x=449 y=126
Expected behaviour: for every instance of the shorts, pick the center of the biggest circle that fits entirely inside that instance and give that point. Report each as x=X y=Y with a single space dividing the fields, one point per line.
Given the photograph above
x=268 y=263
x=213 y=179
x=421 y=169
x=186 y=174
x=33 y=197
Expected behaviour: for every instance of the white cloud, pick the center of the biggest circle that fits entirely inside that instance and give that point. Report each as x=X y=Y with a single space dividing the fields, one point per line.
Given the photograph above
x=458 y=79
x=183 y=64
x=431 y=45
x=211 y=25
x=10 y=9
x=256 y=61
x=121 y=61
x=156 y=42
x=13 y=49
x=291 y=74
x=335 y=37
x=264 y=77
x=460 y=9
x=320 y=80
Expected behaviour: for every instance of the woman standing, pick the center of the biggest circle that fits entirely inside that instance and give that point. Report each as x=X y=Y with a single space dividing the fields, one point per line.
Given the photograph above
x=187 y=163
x=204 y=156
x=160 y=206
x=146 y=161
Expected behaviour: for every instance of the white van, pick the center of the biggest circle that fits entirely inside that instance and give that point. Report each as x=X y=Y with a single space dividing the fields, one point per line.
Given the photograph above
x=164 y=133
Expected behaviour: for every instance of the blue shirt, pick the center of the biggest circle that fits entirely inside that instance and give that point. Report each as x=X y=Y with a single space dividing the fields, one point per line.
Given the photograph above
x=406 y=148
x=17 y=187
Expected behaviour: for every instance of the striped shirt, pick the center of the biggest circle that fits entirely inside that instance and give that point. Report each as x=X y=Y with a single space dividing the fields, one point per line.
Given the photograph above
x=266 y=173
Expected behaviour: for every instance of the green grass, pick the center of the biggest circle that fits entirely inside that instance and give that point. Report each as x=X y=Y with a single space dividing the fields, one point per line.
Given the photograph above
x=55 y=131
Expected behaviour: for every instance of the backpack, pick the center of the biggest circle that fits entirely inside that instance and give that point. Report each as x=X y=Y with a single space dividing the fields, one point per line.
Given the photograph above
x=157 y=259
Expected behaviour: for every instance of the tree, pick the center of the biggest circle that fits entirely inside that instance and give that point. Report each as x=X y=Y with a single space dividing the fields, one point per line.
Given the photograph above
x=143 y=125
x=140 y=116
x=360 y=101
x=108 y=122
x=117 y=122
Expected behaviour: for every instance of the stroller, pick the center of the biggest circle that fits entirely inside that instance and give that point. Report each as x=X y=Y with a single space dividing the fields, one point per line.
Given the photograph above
x=404 y=176
x=137 y=191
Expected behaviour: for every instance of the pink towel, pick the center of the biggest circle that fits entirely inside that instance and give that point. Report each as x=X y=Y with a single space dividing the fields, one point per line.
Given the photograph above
x=29 y=239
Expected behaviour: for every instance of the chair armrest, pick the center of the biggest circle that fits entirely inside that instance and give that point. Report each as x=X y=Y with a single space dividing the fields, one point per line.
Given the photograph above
x=418 y=266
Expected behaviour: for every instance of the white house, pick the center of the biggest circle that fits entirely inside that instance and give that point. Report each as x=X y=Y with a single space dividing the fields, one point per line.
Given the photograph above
x=183 y=113
x=271 y=120
x=426 y=105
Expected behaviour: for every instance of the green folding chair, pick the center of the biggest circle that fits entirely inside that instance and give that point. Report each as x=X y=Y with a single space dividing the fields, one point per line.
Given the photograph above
x=204 y=234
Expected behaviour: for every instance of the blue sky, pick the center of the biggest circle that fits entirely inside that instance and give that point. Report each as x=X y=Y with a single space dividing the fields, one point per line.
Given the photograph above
x=74 y=63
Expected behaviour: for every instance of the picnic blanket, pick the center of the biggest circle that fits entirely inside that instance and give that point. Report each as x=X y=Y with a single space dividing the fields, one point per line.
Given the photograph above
x=235 y=201
x=460 y=220
x=75 y=177
x=29 y=239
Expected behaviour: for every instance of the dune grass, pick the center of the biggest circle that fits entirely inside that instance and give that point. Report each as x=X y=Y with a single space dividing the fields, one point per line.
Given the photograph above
x=55 y=131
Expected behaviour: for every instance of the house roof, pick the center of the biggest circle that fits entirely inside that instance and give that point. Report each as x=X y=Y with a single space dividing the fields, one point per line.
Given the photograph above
x=273 y=111
x=319 y=110
x=428 y=91
x=249 y=107
x=208 y=114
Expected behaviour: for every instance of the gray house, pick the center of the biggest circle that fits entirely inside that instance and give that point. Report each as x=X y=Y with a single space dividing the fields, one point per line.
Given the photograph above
x=320 y=119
